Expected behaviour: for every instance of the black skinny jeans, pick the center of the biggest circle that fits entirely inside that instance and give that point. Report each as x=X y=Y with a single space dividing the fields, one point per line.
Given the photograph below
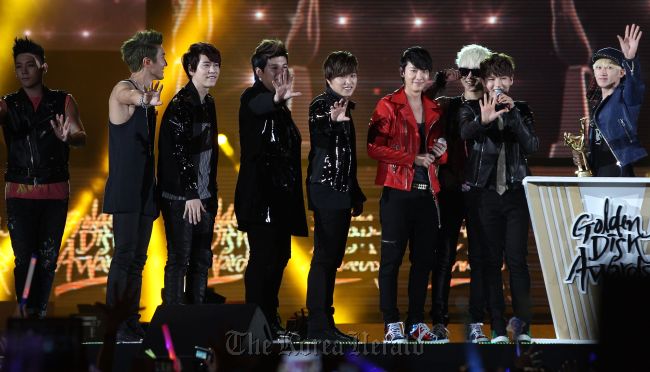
x=330 y=237
x=36 y=228
x=406 y=217
x=189 y=253
x=131 y=232
x=456 y=206
x=504 y=221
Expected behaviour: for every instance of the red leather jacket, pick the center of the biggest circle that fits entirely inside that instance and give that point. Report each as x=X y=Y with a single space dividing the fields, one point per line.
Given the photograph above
x=394 y=140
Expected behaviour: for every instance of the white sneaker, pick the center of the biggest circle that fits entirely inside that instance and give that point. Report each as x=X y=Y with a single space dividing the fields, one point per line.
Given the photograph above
x=476 y=334
x=500 y=340
x=394 y=333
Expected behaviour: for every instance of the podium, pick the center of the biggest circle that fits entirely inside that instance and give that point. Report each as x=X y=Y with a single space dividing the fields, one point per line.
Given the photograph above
x=585 y=227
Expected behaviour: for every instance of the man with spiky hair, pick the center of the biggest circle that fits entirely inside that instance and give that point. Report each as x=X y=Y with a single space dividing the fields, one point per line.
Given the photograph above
x=456 y=201
x=129 y=193
x=187 y=177
x=39 y=127
x=268 y=198
x=500 y=134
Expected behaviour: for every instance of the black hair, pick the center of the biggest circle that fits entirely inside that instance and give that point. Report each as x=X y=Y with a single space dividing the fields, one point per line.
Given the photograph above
x=193 y=55
x=266 y=50
x=418 y=56
x=339 y=63
x=25 y=45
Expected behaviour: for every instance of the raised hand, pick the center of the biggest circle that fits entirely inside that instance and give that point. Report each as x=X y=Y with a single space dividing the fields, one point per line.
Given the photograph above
x=152 y=94
x=488 y=109
x=337 y=111
x=452 y=74
x=283 y=85
x=630 y=42
x=61 y=128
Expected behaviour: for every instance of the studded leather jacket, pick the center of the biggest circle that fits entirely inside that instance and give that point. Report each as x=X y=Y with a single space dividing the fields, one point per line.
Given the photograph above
x=34 y=154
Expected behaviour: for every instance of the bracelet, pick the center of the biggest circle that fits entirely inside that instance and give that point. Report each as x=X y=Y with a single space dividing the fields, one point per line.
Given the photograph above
x=142 y=104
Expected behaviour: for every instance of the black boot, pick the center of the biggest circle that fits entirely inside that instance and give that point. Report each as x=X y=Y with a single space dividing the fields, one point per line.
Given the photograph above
x=346 y=337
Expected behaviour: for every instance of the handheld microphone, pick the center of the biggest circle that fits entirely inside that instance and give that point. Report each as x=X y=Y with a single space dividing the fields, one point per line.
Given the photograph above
x=497 y=93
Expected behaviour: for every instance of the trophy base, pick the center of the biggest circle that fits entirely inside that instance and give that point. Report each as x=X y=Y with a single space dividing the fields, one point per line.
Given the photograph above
x=583 y=173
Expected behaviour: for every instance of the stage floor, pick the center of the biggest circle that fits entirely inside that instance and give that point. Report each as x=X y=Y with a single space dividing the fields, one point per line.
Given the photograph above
x=372 y=353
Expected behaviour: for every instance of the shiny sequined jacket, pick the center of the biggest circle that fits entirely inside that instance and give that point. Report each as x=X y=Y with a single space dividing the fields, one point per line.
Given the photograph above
x=181 y=139
x=269 y=185
x=333 y=155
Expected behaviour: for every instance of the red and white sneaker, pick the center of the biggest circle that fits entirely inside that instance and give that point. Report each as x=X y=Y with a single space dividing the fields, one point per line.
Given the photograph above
x=394 y=333
x=420 y=332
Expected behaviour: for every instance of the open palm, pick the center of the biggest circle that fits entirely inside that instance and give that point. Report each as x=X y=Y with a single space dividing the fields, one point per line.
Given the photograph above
x=630 y=42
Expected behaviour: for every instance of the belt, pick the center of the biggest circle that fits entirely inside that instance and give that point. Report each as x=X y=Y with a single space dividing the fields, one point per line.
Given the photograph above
x=419 y=186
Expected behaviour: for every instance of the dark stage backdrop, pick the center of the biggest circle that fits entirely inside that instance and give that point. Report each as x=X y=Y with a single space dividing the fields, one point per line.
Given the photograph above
x=551 y=42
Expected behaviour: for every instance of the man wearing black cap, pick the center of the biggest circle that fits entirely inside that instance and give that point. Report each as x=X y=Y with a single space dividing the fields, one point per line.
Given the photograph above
x=615 y=104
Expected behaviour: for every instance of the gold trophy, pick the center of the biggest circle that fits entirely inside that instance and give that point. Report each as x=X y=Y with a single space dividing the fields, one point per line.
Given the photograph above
x=579 y=150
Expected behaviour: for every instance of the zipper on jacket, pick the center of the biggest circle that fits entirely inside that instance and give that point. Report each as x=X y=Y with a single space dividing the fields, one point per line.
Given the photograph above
x=618 y=162
x=31 y=156
x=625 y=130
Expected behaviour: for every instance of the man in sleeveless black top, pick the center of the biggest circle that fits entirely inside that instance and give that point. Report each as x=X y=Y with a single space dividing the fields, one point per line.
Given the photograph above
x=39 y=127
x=187 y=176
x=129 y=194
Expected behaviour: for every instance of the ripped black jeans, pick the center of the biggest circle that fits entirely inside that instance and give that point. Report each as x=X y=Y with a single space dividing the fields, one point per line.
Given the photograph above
x=36 y=227
x=406 y=217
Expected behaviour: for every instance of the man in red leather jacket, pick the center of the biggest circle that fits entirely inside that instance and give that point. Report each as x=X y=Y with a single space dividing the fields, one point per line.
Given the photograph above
x=405 y=138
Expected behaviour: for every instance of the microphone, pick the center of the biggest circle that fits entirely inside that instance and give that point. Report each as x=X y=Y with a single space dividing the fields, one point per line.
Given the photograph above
x=497 y=93
x=442 y=140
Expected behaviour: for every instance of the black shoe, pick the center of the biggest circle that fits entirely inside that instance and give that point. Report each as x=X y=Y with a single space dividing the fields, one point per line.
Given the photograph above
x=280 y=334
x=327 y=335
x=126 y=334
x=349 y=338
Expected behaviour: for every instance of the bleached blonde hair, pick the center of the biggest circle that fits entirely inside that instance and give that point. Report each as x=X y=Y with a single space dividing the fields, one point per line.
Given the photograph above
x=471 y=56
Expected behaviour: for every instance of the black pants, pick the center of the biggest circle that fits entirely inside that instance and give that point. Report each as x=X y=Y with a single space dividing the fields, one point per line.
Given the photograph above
x=189 y=251
x=330 y=237
x=406 y=217
x=456 y=206
x=36 y=228
x=270 y=250
x=504 y=220
x=131 y=233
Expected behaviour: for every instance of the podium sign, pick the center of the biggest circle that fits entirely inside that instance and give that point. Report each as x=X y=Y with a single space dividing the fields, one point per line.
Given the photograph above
x=585 y=227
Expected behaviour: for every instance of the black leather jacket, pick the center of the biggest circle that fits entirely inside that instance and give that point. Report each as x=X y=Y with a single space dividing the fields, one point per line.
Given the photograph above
x=35 y=155
x=486 y=140
x=333 y=155
x=181 y=140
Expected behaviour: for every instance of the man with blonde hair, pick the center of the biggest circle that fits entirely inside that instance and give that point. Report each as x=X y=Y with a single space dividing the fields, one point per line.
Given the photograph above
x=455 y=193
x=613 y=142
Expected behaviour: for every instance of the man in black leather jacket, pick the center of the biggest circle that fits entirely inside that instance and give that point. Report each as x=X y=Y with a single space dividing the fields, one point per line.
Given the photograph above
x=268 y=198
x=500 y=132
x=332 y=188
x=187 y=177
